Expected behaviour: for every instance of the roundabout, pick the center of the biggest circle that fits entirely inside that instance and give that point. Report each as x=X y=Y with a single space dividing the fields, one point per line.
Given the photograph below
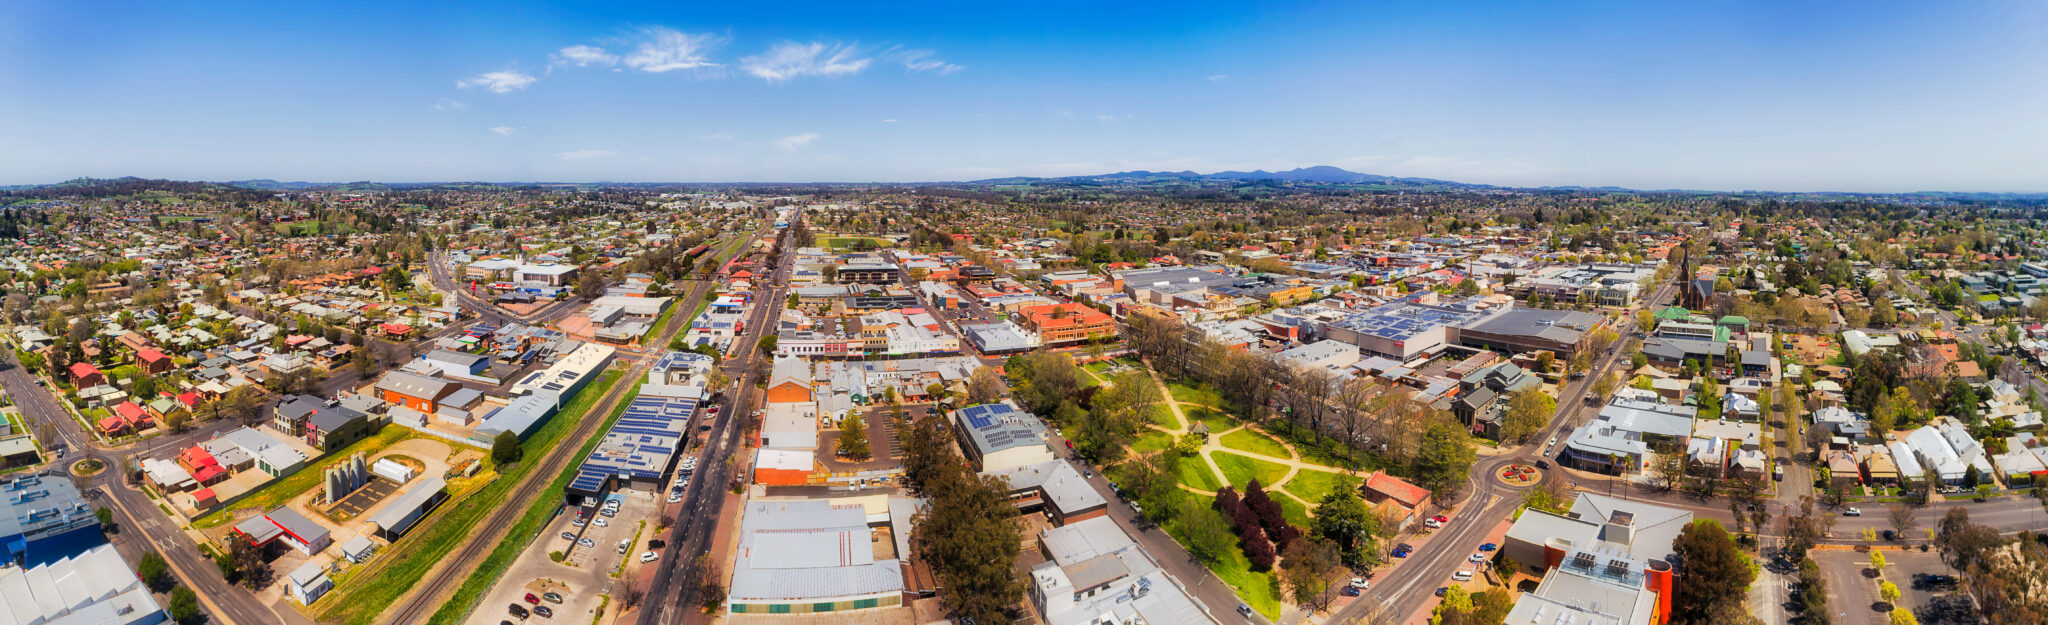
x=1518 y=475
x=88 y=467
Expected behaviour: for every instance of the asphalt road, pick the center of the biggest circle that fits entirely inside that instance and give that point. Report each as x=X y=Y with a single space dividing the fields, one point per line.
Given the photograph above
x=671 y=594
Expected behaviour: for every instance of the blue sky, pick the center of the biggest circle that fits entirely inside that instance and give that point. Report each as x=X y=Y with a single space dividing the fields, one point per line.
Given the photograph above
x=1863 y=96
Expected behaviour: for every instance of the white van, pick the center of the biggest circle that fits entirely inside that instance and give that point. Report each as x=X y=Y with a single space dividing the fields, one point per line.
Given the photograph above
x=1463 y=575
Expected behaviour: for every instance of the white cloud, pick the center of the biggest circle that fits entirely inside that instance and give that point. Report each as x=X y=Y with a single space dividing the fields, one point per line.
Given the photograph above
x=716 y=136
x=582 y=154
x=1104 y=116
x=668 y=50
x=889 y=121
x=1218 y=77
x=445 y=104
x=583 y=56
x=505 y=130
x=788 y=59
x=924 y=61
x=498 y=82
x=796 y=141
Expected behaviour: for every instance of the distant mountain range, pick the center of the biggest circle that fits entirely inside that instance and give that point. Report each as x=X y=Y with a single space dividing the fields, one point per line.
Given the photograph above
x=1320 y=174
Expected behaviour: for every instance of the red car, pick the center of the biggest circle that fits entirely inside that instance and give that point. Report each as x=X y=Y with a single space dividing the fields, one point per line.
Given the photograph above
x=533 y=599
x=1070 y=444
x=1441 y=519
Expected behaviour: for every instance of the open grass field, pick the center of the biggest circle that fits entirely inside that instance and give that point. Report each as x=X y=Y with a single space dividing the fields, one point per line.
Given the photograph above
x=1203 y=395
x=1312 y=486
x=1193 y=473
x=366 y=591
x=1151 y=441
x=1252 y=441
x=1256 y=588
x=1217 y=420
x=1162 y=415
x=1241 y=469
x=846 y=243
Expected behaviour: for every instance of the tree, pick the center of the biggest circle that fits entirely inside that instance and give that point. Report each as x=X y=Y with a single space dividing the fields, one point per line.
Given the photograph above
x=1527 y=411
x=983 y=386
x=1903 y=520
x=505 y=448
x=1902 y=616
x=184 y=606
x=106 y=517
x=1205 y=533
x=1307 y=572
x=1645 y=320
x=853 y=437
x=1877 y=561
x=1888 y=592
x=1444 y=459
x=1712 y=572
x=247 y=563
x=1345 y=522
x=153 y=571
x=767 y=344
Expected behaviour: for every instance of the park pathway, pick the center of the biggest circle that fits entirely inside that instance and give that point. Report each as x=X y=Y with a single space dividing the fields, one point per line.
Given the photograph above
x=1295 y=465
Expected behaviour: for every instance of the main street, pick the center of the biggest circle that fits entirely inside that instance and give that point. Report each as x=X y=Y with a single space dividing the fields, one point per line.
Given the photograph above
x=671 y=594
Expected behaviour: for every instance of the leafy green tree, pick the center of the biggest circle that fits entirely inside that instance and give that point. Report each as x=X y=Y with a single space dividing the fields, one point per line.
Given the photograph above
x=1712 y=572
x=1527 y=411
x=153 y=571
x=505 y=448
x=1444 y=458
x=184 y=606
x=853 y=437
x=1344 y=520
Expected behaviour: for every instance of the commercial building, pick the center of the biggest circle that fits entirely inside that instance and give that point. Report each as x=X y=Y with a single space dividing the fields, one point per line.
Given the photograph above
x=638 y=449
x=284 y=523
x=247 y=447
x=1095 y=574
x=407 y=508
x=90 y=587
x=999 y=436
x=1054 y=488
x=869 y=274
x=1617 y=441
x=1070 y=322
x=1562 y=332
x=1605 y=562
x=415 y=391
x=44 y=518
x=811 y=556
x=1409 y=327
x=570 y=374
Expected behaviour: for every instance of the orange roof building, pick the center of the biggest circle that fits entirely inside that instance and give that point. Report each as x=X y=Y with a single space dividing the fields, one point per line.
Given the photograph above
x=1066 y=323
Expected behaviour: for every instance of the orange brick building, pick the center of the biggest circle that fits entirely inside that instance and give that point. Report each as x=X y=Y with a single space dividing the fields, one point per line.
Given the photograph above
x=1066 y=323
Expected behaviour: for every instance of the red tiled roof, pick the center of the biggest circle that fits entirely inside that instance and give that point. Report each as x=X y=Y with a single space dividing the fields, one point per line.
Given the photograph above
x=1396 y=488
x=129 y=412
x=82 y=369
x=150 y=354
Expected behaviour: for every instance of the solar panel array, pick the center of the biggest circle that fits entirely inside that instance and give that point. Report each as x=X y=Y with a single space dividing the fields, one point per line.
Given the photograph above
x=640 y=445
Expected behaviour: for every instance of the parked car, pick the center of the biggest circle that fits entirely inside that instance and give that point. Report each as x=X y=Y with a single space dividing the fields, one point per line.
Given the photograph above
x=552 y=597
x=517 y=610
x=544 y=611
x=675 y=497
x=1441 y=590
x=568 y=536
x=580 y=521
x=1852 y=511
x=1463 y=575
x=1360 y=583
x=533 y=598
x=648 y=556
x=603 y=523
x=1244 y=610
x=1477 y=557
x=1432 y=524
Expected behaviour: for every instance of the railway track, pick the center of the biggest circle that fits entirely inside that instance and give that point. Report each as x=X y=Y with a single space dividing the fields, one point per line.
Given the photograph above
x=427 y=595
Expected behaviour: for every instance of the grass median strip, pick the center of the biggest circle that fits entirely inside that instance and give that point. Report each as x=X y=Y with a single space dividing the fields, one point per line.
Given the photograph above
x=372 y=589
x=494 y=565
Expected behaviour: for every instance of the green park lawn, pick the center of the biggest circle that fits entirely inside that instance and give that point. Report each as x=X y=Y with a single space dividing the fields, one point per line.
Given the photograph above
x=1162 y=415
x=1312 y=486
x=1241 y=469
x=1151 y=441
x=1203 y=394
x=1195 y=474
x=1295 y=513
x=1254 y=442
x=1256 y=588
x=1218 y=420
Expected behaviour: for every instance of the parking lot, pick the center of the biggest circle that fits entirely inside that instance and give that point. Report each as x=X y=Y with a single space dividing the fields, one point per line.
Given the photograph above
x=1852 y=585
x=585 y=572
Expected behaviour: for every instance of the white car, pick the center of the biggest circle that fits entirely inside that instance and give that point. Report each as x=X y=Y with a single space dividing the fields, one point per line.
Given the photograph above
x=1432 y=524
x=603 y=523
x=1477 y=557
x=648 y=556
x=1463 y=575
x=1360 y=583
x=675 y=497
